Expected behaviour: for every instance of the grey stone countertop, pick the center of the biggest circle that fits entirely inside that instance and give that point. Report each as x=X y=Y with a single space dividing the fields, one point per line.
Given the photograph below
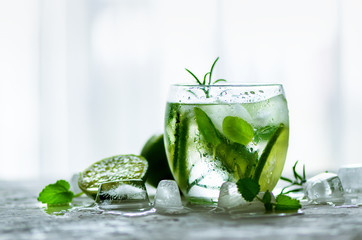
x=22 y=217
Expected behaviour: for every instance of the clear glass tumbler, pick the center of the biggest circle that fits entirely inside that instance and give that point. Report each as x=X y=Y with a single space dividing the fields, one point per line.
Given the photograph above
x=220 y=133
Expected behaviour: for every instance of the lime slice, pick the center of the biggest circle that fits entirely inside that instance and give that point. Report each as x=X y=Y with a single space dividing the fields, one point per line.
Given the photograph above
x=120 y=167
x=154 y=152
x=271 y=162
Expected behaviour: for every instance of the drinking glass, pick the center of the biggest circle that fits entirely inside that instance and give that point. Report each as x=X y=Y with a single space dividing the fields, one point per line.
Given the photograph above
x=219 y=133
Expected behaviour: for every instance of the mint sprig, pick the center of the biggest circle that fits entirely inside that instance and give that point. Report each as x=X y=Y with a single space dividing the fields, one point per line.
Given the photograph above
x=57 y=194
x=209 y=76
x=249 y=190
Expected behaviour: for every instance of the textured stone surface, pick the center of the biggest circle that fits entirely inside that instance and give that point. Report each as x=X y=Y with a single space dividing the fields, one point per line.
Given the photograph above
x=22 y=217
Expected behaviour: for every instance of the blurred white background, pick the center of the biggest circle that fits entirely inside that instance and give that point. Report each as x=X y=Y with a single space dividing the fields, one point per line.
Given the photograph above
x=81 y=80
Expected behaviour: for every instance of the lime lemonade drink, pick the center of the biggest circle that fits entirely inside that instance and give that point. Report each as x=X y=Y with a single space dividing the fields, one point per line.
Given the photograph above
x=220 y=133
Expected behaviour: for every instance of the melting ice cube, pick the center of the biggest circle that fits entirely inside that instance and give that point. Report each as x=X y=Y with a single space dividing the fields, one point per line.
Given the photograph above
x=230 y=198
x=324 y=188
x=127 y=194
x=168 y=198
x=351 y=178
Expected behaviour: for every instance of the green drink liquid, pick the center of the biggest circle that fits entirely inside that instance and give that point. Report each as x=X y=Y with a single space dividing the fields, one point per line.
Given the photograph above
x=209 y=144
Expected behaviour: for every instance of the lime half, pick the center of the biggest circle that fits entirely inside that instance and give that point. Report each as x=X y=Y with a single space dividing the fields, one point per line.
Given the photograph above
x=116 y=168
x=272 y=160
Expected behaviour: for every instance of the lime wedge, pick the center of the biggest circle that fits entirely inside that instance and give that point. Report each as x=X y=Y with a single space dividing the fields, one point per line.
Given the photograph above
x=120 y=167
x=271 y=162
x=154 y=152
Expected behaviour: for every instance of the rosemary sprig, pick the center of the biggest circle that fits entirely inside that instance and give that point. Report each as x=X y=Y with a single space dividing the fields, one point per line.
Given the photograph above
x=209 y=76
x=198 y=81
x=299 y=180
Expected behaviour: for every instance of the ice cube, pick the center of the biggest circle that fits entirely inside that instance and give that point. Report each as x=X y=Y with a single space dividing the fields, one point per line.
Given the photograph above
x=231 y=199
x=351 y=178
x=127 y=194
x=217 y=113
x=167 y=198
x=324 y=188
x=270 y=112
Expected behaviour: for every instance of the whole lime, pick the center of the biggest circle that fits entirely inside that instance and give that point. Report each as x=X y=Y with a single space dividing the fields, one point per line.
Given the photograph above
x=155 y=154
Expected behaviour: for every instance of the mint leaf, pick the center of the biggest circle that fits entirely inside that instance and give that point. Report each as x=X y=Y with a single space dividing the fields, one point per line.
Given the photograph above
x=206 y=127
x=237 y=130
x=248 y=188
x=284 y=202
x=56 y=194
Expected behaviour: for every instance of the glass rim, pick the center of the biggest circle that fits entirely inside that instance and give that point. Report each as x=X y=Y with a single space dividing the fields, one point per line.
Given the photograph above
x=230 y=85
x=228 y=93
